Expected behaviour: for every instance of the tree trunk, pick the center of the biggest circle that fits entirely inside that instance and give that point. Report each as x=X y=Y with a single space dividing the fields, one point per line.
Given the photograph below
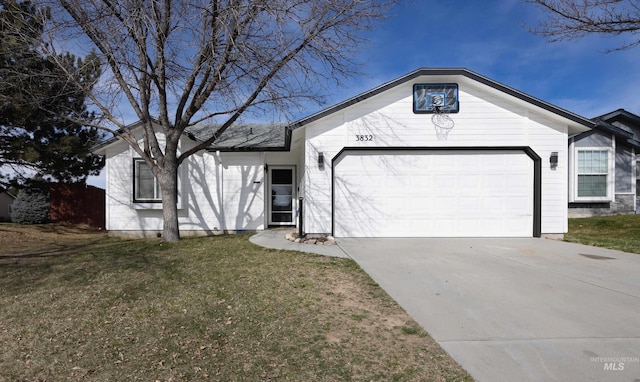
x=169 y=186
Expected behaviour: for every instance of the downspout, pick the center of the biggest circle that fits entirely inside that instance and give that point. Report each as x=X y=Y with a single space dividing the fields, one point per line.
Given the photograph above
x=634 y=176
x=223 y=223
x=266 y=208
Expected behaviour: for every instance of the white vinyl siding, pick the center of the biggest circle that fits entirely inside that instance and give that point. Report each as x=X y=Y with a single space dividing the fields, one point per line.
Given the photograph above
x=215 y=192
x=484 y=120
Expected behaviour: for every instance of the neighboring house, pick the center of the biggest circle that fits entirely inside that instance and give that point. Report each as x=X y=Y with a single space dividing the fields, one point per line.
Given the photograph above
x=6 y=200
x=435 y=153
x=604 y=174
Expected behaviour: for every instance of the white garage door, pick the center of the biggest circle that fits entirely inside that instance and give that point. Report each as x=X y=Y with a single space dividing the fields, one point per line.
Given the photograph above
x=433 y=194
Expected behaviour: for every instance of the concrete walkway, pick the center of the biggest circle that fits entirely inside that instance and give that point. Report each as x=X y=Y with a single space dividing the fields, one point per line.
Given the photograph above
x=274 y=238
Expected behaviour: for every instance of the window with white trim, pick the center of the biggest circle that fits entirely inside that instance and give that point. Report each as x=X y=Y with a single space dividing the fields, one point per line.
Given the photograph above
x=637 y=177
x=146 y=187
x=593 y=174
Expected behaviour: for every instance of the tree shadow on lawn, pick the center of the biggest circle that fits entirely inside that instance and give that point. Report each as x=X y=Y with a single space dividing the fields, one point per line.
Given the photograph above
x=81 y=265
x=45 y=239
x=52 y=250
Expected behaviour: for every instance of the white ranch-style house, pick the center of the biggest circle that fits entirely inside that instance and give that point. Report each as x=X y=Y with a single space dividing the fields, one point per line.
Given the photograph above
x=435 y=153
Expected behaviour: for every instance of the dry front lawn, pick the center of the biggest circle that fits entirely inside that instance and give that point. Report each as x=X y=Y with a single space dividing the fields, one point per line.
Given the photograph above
x=78 y=305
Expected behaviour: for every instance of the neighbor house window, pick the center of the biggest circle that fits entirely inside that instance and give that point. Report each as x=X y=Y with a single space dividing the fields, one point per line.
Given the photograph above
x=593 y=174
x=637 y=178
x=146 y=186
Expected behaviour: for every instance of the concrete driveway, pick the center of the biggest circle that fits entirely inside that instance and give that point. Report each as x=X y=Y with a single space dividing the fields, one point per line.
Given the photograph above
x=516 y=309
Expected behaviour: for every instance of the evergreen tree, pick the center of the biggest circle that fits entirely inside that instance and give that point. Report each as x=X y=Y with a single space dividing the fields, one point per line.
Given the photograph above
x=31 y=206
x=39 y=106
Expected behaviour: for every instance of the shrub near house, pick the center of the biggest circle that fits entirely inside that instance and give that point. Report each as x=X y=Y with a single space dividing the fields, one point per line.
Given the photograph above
x=31 y=206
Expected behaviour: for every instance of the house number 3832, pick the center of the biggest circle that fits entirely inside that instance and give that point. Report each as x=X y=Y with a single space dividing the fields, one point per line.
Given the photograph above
x=364 y=138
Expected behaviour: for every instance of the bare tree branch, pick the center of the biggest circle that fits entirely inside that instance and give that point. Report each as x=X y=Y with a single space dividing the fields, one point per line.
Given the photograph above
x=189 y=61
x=570 y=19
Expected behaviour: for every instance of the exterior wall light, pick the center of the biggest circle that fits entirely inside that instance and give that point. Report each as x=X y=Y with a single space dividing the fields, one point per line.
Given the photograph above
x=553 y=160
x=321 y=160
x=300 y=218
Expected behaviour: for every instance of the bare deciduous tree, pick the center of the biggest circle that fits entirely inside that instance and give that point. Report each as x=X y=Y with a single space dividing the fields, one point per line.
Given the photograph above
x=187 y=61
x=569 y=19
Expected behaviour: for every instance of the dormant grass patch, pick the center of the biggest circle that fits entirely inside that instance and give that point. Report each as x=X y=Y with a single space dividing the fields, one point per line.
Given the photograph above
x=76 y=304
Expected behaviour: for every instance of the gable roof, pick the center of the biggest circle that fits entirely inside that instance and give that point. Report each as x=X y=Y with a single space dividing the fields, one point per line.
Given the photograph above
x=620 y=115
x=606 y=122
x=577 y=119
x=99 y=148
x=274 y=137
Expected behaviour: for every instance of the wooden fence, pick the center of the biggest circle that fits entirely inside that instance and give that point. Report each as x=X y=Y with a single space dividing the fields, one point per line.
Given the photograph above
x=77 y=204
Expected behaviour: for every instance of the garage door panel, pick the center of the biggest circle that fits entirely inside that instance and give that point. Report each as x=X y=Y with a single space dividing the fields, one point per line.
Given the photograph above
x=434 y=194
x=443 y=227
x=401 y=206
x=470 y=225
x=517 y=206
x=445 y=183
x=517 y=181
x=493 y=183
x=470 y=183
x=471 y=203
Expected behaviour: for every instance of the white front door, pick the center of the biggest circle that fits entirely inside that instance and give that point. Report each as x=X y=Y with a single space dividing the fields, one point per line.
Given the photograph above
x=282 y=192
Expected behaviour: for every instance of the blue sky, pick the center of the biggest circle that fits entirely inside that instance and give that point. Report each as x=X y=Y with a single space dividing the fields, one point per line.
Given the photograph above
x=490 y=37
